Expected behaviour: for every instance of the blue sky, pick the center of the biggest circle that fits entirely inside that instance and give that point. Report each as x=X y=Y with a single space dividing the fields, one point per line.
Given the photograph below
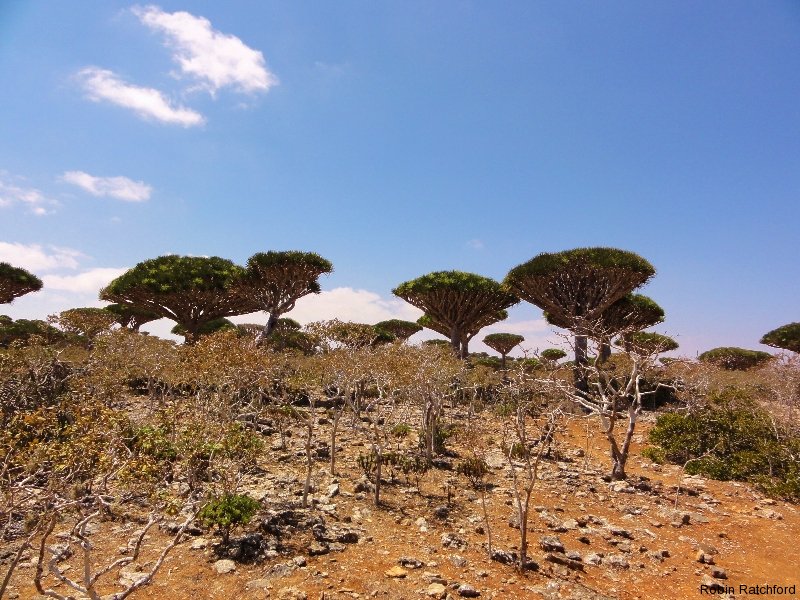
x=399 y=138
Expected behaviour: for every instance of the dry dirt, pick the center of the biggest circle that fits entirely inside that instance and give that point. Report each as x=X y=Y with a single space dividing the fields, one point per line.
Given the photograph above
x=748 y=536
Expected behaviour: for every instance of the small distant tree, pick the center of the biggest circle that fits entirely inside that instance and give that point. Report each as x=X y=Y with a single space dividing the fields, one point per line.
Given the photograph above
x=551 y=356
x=786 y=337
x=457 y=301
x=401 y=330
x=275 y=281
x=131 y=316
x=22 y=329
x=633 y=312
x=576 y=286
x=206 y=328
x=735 y=359
x=645 y=342
x=16 y=282
x=190 y=290
x=431 y=323
x=503 y=343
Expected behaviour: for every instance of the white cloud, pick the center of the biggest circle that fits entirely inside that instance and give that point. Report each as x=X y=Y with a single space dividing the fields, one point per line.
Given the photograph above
x=12 y=194
x=345 y=304
x=476 y=244
x=148 y=103
x=36 y=258
x=120 y=188
x=90 y=281
x=214 y=58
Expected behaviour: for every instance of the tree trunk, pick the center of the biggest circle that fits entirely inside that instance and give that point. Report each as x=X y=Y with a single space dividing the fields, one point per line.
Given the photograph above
x=581 y=361
x=464 y=349
x=268 y=328
x=605 y=352
x=455 y=341
x=503 y=362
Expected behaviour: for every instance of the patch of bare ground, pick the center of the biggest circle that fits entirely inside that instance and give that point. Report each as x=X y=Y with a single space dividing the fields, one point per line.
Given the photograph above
x=590 y=538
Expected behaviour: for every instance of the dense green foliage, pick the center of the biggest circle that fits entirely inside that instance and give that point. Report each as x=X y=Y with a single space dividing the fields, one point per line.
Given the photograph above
x=16 y=282
x=731 y=437
x=22 y=329
x=735 y=359
x=133 y=317
x=401 y=330
x=457 y=304
x=228 y=512
x=552 y=354
x=786 y=337
x=599 y=258
x=190 y=290
x=645 y=342
x=206 y=328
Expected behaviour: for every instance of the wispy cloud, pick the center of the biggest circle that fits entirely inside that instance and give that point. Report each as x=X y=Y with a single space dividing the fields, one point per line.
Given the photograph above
x=215 y=59
x=38 y=258
x=87 y=282
x=120 y=188
x=476 y=244
x=12 y=194
x=148 y=103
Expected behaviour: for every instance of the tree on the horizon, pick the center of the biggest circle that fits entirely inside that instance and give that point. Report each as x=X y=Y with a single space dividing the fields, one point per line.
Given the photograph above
x=503 y=343
x=735 y=359
x=645 y=342
x=190 y=290
x=275 y=281
x=575 y=287
x=551 y=356
x=16 y=282
x=400 y=329
x=785 y=337
x=457 y=302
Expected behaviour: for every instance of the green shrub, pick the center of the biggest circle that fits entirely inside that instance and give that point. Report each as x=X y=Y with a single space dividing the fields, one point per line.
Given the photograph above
x=401 y=430
x=227 y=512
x=655 y=454
x=730 y=438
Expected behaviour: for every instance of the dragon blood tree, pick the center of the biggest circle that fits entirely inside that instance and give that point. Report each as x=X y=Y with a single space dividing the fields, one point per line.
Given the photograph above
x=786 y=337
x=575 y=287
x=16 y=282
x=401 y=330
x=503 y=343
x=457 y=302
x=275 y=281
x=190 y=290
x=466 y=335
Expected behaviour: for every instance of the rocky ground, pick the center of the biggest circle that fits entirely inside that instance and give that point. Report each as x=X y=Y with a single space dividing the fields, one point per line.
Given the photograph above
x=590 y=538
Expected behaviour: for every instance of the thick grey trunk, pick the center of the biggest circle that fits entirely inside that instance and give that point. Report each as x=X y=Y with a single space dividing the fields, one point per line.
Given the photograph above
x=581 y=360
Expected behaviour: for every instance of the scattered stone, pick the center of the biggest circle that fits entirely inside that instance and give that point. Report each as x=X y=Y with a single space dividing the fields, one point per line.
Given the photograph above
x=436 y=590
x=199 y=544
x=620 y=532
x=495 y=459
x=318 y=548
x=574 y=555
x=704 y=558
x=291 y=593
x=396 y=573
x=451 y=540
x=224 y=566
x=467 y=591
x=718 y=573
x=593 y=559
x=563 y=560
x=711 y=585
x=617 y=561
x=129 y=575
x=300 y=561
x=569 y=525
x=584 y=540
x=333 y=490
x=503 y=557
x=410 y=563
x=458 y=561
x=551 y=543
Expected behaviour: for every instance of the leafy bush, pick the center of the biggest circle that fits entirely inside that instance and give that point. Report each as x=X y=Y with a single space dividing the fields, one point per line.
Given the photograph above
x=227 y=512
x=731 y=437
